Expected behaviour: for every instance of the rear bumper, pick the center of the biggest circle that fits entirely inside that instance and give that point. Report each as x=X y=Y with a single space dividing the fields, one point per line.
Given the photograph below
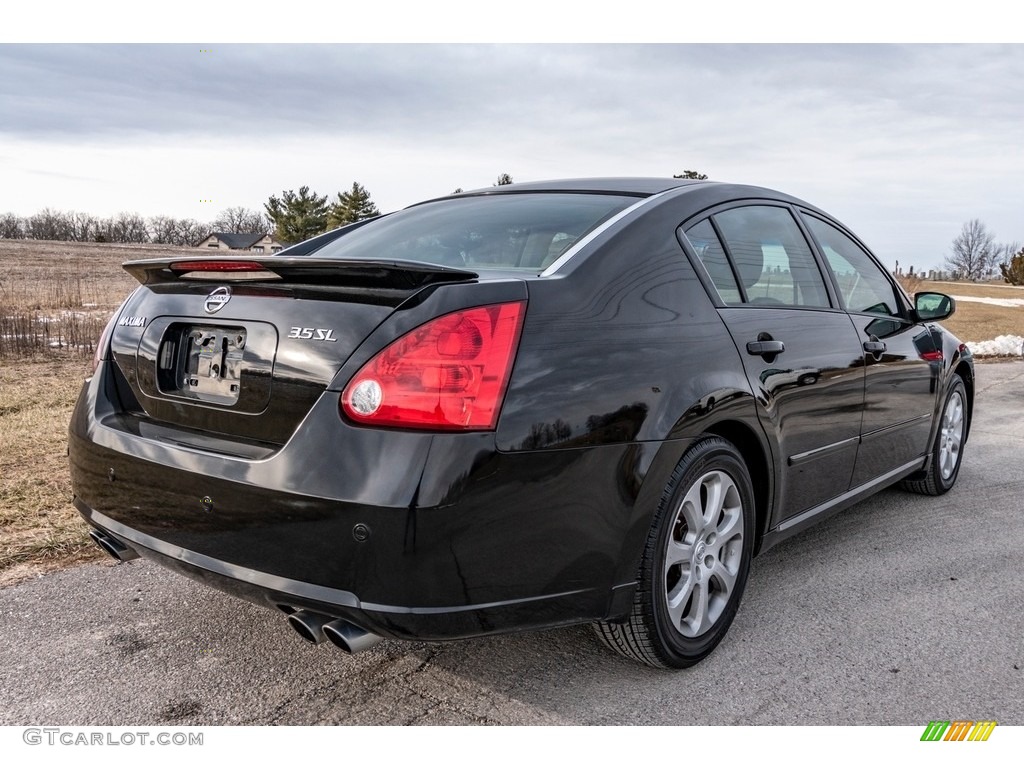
x=401 y=622
x=415 y=537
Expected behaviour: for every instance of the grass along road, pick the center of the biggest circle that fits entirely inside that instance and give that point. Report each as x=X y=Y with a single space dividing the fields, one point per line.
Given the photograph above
x=39 y=529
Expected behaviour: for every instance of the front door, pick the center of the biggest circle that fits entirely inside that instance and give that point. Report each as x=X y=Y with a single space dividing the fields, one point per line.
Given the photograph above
x=901 y=359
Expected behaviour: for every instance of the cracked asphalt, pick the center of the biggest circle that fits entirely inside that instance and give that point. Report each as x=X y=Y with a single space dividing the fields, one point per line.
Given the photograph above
x=901 y=610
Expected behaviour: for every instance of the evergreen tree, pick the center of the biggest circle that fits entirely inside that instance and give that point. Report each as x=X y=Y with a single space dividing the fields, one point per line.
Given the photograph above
x=352 y=206
x=697 y=175
x=1013 y=269
x=503 y=179
x=297 y=217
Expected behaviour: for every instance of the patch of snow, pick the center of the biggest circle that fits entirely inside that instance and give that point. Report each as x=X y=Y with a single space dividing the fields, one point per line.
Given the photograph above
x=1001 y=346
x=989 y=300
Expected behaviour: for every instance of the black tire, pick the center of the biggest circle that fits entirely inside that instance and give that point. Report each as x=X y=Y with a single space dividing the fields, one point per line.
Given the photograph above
x=947 y=450
x=677 y=632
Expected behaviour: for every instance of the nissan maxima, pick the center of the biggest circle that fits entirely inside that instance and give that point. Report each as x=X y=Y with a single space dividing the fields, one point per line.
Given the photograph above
x=535 y=405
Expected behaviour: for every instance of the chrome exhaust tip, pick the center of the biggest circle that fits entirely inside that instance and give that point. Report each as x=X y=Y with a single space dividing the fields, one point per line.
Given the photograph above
x=309 y=625
x=114 y=547
x=349 y=637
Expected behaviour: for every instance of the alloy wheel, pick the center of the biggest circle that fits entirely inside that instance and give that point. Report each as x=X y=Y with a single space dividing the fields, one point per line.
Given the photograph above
x=704 y=553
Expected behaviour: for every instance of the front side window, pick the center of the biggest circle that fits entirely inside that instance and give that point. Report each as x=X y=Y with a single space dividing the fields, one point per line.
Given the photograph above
x=862 y=284
x=771 y=256
x=525 y=231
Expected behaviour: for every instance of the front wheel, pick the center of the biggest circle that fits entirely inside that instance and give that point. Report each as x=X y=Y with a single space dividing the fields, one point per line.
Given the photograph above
x=947 y=450
x=695 y=563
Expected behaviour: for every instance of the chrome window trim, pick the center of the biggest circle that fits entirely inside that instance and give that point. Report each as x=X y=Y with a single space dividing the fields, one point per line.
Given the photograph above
x=583 y=242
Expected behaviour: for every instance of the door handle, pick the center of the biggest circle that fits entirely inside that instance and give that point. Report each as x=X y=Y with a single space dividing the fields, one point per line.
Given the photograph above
x=765 y=348
x=874 y=347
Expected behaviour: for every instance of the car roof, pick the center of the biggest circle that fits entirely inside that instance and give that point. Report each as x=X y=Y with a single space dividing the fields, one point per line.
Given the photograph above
x=628 y=185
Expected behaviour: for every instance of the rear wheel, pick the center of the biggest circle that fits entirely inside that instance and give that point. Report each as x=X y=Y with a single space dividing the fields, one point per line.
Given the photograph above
x=695 y=563
x=947 y=450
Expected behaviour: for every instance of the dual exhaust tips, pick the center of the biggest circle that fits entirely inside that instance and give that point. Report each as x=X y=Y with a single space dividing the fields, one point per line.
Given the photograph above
x=313 y=627
x=316 y=627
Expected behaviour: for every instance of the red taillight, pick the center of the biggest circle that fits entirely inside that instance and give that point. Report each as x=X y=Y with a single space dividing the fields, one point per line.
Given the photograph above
x=448 y=374
x=934 y=356
x=216 y=266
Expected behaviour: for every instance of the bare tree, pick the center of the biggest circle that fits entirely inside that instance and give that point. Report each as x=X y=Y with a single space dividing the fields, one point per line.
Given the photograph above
x=48 y=224
x=127 y=228
x=162 y=229
x=973 y=251
x=1004 y=252
x=82 y=226
x=12 y=227
x=190 y=232
x=239 y=219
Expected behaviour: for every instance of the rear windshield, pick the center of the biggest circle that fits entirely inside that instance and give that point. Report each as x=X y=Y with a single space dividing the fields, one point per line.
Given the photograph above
x=525 y=231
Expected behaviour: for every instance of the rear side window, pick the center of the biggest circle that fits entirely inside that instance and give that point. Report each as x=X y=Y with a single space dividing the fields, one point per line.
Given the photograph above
x=862 y=284
x=772 y=257
x=709 y=250
x=508 y=231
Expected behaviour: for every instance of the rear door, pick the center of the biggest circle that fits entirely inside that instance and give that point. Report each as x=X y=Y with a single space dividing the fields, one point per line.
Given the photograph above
x=901 y=359
x=801 y=353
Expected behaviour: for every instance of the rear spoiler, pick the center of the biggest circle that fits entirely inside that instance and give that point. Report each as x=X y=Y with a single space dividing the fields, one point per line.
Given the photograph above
x=296 y=270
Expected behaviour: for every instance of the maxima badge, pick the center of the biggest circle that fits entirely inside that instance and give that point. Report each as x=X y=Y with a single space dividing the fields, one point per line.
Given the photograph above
x=217 y=299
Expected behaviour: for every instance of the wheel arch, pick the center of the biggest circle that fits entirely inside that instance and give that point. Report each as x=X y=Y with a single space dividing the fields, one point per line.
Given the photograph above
x=757 y=458
x=966 y=373
x=756 y=455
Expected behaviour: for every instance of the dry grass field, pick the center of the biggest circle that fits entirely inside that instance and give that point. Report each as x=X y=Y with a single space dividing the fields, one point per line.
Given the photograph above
x=974 y=321
x=54 y=301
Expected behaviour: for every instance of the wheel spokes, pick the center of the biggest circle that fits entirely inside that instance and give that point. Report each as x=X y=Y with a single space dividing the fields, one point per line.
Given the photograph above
x=951 y=436
x=691 y=511
x=678 y=553
x=703 y=554
x=698 y=620
x=678 y=598
x=724 y=579
x=714 y=497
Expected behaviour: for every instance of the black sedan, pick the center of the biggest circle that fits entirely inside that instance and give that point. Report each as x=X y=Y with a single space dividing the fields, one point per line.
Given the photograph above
x=528 y=406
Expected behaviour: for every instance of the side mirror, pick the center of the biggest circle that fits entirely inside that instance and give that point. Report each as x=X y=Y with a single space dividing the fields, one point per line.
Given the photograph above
x=933 y=306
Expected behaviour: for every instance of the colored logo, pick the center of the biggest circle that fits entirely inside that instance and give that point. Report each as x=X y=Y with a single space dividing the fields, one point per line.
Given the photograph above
x=958 y=730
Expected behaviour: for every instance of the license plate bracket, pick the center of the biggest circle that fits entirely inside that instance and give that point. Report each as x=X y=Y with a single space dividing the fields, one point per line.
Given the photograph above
x=212 y=362
x=203 y=362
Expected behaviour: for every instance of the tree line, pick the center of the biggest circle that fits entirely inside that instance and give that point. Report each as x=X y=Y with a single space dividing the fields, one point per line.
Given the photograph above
x=291 y=217
x=296 y=216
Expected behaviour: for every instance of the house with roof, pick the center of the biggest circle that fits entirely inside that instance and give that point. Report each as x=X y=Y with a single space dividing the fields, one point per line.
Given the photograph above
x=253 y=242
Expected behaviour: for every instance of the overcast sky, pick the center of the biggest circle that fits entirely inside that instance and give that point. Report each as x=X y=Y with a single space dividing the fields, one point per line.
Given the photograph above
x=902 y=143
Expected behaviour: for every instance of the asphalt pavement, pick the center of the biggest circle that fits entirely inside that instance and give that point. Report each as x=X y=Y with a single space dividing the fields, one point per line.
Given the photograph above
x=901 y=610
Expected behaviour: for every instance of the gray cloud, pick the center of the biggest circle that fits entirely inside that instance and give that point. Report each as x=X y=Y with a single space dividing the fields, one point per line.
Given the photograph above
x=760 y=91
x=909 y=138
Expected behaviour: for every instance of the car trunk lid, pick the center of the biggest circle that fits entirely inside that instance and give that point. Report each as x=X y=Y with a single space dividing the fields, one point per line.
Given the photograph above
x=243 y=347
